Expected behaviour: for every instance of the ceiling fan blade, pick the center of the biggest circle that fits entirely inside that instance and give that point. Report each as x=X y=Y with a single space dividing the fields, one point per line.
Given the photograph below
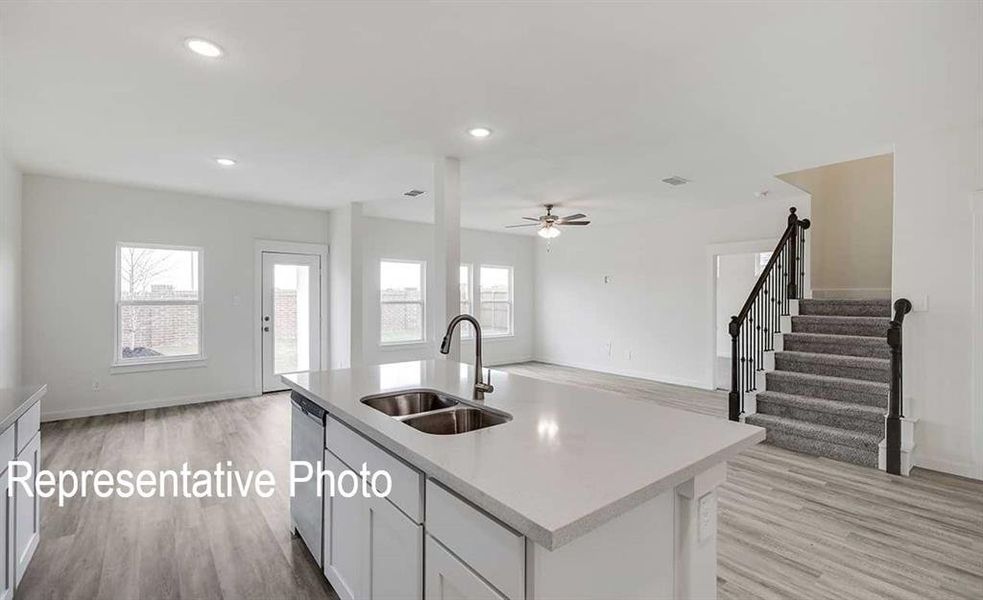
x=522 y=225
x=572 y=217
x=532 y=219
x=575 y=223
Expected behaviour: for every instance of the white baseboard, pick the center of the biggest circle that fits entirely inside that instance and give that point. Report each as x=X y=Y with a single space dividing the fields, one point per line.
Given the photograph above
x=852 y=293
x=962 y=469
x=93 y=411
x=661 y=378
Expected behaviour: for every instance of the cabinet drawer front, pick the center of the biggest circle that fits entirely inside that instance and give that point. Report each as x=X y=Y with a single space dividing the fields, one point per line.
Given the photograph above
x=448 y=578
x=8 y=447
x=495 y=551
x=353 y=449
x=28 y=424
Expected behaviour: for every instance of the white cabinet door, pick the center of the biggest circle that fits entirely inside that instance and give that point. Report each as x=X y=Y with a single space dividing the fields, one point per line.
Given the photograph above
x=6 y=541
x=447 y=578
x=393 y=552
x=27 y=510
x=343 y=537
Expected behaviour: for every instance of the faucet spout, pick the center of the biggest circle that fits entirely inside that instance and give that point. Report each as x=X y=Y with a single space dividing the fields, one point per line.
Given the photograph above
x=480 y=386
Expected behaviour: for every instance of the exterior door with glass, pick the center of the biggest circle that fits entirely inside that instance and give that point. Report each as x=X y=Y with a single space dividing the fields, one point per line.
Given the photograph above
x=291 y=317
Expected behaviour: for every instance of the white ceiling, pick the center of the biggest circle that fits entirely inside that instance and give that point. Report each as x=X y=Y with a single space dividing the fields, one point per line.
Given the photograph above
x=591 y=104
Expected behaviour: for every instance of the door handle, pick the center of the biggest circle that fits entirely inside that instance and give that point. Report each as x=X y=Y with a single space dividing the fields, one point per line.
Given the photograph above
x=267 y=319
x=266 y=329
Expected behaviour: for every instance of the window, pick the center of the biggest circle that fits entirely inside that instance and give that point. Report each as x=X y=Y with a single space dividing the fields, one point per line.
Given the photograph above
x=464 y=281
x=495 y=300
x=158 y=303
x=402 y=301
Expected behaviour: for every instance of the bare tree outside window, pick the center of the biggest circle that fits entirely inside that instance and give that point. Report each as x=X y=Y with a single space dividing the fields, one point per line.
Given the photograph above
x=159 y=303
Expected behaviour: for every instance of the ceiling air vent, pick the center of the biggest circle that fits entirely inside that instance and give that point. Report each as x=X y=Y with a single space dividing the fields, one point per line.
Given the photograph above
x=675 y=180
x=413 y=193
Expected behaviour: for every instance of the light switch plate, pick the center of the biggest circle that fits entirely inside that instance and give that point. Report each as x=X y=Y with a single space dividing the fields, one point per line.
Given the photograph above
x=919 y=304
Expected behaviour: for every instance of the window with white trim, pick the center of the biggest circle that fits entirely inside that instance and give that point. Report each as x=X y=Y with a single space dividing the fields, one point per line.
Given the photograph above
x=402 y=301
x=495 y=300
x=158 y=304
x=465 y=283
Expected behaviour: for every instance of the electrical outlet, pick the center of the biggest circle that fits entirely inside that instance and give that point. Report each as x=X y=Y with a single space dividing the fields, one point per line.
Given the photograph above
x=707 y=516
x=628 y=355
x=236 y=300
x=96 y=385
x=606 y=349
x=607 y=279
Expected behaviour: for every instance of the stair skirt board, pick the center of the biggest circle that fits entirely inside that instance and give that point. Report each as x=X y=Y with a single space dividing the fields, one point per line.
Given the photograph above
x=825 y=387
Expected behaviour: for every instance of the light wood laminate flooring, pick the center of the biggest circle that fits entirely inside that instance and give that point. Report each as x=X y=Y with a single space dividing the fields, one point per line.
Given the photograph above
x=791 y=526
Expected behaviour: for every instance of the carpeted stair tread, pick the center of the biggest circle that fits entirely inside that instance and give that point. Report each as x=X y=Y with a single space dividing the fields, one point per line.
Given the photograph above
x=817 y=447
x=873 y=393
x=822 y=411
x=837 y=325
x=833 y=365
x=833 y=435
x=844 y=345
x=846 y=308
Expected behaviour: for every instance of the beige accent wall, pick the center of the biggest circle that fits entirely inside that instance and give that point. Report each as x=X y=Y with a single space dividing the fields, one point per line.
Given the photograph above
x=852 y=214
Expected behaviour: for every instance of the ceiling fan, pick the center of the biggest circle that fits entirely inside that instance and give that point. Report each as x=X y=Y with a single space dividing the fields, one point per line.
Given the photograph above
x=549 y=224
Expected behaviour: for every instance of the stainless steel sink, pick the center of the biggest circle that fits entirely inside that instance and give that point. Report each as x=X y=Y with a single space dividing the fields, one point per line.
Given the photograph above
x=458 y=420
x=409 y=402
x=434 y=412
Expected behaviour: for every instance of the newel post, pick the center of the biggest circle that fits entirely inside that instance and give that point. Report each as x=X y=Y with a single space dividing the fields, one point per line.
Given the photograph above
x=792 y=289
x=734 y=408
x=902 y=306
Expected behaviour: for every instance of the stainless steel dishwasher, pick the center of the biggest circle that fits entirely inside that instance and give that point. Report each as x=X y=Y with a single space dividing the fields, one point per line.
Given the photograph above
x=307 y=444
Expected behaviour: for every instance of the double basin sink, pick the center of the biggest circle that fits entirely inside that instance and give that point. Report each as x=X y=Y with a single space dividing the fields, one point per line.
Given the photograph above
x=436 y=413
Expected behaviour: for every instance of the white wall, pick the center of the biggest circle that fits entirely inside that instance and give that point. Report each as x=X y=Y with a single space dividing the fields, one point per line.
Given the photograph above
x=935 y=177
x=658 y=305
x=70 y=229
x=851 y=226
x=10 y=274
x=735 y=277
x=388 y=238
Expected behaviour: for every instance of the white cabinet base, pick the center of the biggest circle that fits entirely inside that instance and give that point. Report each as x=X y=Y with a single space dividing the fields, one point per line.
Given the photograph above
x=659 y=549
x=27 y=519
x=450 y=579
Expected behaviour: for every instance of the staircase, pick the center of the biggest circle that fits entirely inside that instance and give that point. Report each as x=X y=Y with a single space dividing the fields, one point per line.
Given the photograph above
x=828 y=393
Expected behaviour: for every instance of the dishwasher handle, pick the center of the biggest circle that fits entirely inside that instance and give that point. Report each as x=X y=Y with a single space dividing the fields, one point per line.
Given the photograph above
x=308 y=407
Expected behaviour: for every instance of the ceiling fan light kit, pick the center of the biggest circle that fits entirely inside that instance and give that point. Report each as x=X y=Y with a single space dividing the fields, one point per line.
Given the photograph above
x=549 y=225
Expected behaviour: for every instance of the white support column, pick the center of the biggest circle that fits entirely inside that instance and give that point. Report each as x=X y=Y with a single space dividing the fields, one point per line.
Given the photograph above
x=358 y=289
x=444 y=289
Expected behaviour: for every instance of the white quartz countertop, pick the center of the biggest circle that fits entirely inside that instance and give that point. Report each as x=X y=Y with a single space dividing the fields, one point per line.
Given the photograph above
x=570 y=459
x=15 y=401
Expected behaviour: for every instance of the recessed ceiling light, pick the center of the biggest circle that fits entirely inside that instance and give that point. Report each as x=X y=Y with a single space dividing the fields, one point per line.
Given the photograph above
x=479 y=132
x=203 y=47
x=226 y=162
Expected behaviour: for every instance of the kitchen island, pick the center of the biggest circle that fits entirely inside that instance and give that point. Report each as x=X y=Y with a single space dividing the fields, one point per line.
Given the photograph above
x=579 y=493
